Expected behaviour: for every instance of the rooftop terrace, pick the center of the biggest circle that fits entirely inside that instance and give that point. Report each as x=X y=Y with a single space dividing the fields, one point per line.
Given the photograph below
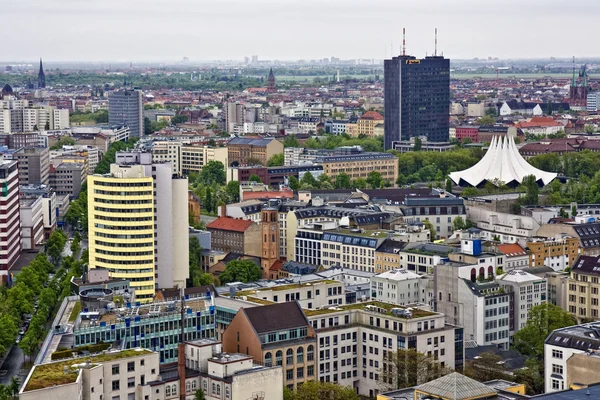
x=66 y=372
x=371 y=306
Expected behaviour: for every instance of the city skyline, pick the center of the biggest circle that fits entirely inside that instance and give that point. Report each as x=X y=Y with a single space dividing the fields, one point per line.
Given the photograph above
x=349 y=29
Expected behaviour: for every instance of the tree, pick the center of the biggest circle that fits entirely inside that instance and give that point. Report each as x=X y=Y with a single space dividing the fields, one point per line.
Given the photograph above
x=532 y=376
x=432 y=232
x=276 y=160
x=233 y=191
x=240 y=271
x=531 y=190
x=342 y=181
x=309 y=180
x=294 y=183
x=359 y=183
x=408 y=367
x=212 y=143
x=291 y=141
x=449 y=185
x=317 y=390
x=213 y=172
x=458 y=224
x=255 y=178
x=179 y=119
x=543 y=319
x=486 y=120
x=63 y=141
x=199 y=395
x=8 y=333
x=30 y=342
x=418 y=144
x=486 y=368
x=14 y=387
x=374 y=179
x=147 y=126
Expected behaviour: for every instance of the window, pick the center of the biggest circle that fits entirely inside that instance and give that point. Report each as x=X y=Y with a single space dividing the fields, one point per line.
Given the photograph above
x=310 y=353
x=115 y=369
x=268 y=359
x=300 y=373
x=557 y=354
x=557 y=369
x=131 y=382
x=227 y=392
x=279 y=358
x=310 y=370
x=289 y=357
x=289 y=374
x=131 y=366
x=116 y=385
x=300 y=355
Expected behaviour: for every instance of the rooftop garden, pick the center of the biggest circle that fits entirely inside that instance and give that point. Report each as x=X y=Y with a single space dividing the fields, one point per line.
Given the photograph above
x=53 y=374
x=373 y=234
x=416 y=313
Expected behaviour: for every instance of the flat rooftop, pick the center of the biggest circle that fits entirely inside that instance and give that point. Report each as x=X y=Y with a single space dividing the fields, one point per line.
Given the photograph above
x=66 y=372
x=374 y=306
x=286 y=287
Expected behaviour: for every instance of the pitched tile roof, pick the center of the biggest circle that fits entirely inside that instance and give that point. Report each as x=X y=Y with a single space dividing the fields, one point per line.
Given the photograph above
x=276 y=317
x=455 y=386
x=230 y=224
x=511 y=250
x=374 y=115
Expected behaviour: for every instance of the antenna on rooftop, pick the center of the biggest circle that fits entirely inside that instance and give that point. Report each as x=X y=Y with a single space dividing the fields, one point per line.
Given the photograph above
x=435 y=50
x=403 y=41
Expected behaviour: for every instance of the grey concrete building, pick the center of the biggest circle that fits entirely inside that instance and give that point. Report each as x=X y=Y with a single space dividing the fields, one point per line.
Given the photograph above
x=125 y=107
x=67 y=178
x=34 y=165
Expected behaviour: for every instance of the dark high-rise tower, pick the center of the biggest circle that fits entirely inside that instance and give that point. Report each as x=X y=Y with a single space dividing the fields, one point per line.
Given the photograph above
x=417 y=99
x=271 y=87
x=41 y=76
x=125 y=107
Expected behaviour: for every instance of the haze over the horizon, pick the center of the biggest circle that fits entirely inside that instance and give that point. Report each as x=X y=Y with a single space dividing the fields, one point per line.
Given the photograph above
x=160 y=30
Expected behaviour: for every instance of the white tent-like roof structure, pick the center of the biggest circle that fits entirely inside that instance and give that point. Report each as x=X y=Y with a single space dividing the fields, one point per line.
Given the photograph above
x=502 y=163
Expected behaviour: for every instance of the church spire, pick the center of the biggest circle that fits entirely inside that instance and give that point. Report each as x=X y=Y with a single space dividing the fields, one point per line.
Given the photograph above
x=41 y=77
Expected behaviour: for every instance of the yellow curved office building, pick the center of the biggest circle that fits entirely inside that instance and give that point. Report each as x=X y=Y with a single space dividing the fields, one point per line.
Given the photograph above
x=121 y=227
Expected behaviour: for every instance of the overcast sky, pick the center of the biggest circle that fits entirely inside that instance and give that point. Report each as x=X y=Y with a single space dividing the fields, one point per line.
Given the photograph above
x=161 y=30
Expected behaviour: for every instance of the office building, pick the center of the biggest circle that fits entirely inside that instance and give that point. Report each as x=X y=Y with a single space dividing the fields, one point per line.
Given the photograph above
x=125 y=107
x=32 y=223
x=399 y=286
x=34 y=165
x=276 y=335
x=244 y=151
x=355 y=341
x=358 y=164
x=233 y=114
x=440 y=211
x=557 y=253
x=10 y=223
x=235 y=235
x=193 y=158
x=67 y=178
x=417 y=99
x=121 y=227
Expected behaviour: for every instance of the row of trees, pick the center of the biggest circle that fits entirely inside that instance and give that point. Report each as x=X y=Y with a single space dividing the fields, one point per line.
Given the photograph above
x=108 y=158
x=100 y=116
x=342 y=181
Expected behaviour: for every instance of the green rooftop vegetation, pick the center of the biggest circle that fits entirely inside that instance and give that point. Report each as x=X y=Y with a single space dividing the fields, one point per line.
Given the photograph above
x=52 y=374
x=373 y=234
x=416 y=313
x=251 y=292
x=260 y=301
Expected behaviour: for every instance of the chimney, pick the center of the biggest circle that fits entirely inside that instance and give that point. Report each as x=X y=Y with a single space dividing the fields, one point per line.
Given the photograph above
x=223 y=210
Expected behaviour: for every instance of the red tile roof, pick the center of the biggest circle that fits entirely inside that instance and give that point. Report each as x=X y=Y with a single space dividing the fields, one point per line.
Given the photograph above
x=230 y=224
x=511 y=250
x=372 y=115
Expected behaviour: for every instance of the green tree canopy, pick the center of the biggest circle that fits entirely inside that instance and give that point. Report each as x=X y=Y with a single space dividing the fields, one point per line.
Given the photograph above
x=276 y=160
x=213 y=172
x=543 y=319
x=317 y=390
x=255 y=178
x=179 y=119
x=374 y=179
x=408 y=367
x=233 y=191
x=240 y=271
x=291 y=141
x=342 y=181
x=486 y=368
x=294 y=183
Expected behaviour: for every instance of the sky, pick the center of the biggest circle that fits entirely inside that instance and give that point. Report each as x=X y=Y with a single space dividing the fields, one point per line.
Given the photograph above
x=168 y=30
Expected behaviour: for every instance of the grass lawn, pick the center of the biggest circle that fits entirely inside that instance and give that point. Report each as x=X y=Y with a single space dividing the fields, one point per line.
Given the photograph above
x=75 y=312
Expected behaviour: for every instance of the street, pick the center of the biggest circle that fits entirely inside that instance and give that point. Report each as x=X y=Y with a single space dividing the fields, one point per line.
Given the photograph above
x=12 y=366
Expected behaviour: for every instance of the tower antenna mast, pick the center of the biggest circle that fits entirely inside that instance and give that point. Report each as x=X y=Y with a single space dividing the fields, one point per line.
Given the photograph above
x=435 y=50
x=403 y=41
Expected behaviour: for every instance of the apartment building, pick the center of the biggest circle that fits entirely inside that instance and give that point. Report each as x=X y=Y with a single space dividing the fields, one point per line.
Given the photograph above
x=557 y=253
x=400 y=287
x=32 y=223
x=235 y=235
x=276 y=335
x=583 y=288
x=122 y=374
x=367 y=122
x=570 y=356
x=360 y=165
x=34 y=165
x=168 y=151
x=355 y=341
x=387 y=255
x=310 y=295
x=241 y=150
x=588 y=234
x=193 y=158
x=19 y=116
x=50 y=204
x=515 y=256
x=308 y=124
x=10 y=223
x=440 y=211
x=528 y=291
x=423 y=257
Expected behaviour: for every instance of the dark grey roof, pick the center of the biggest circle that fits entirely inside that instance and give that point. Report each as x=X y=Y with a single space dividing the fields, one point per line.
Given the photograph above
x=589 y=234
x=250 y=141
x=591 y=392
x=276 y=317
x=583 y=337
x=587 y=265
x=389 y=245
x=353 y=240
x=434 y=201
